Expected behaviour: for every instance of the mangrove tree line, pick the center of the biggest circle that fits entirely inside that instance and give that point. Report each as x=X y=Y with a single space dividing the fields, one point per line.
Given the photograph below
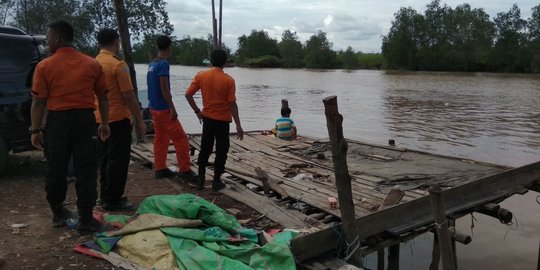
x=463 y=39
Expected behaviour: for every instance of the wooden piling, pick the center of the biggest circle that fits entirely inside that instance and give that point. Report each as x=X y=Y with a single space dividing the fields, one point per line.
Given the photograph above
x=441 y=225
x=284 y=103
x=380 y=259
x=334 y=123
x=125 y=39
x=220 y=42
x=393 y=257
x=538 y=265
x=214 y=27
x=435 y=254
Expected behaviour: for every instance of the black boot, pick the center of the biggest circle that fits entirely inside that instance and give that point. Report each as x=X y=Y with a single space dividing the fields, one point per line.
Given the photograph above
x=60 y=215
x=217 y=184
x=202 y=175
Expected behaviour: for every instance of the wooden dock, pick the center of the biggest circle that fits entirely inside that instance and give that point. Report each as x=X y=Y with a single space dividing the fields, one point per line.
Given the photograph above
x=389 y=187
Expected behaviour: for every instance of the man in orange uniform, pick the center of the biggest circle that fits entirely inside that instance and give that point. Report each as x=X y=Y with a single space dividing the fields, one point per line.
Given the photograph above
x=115 y=152
x=67 y=83
x=164 y=116
x=219 y=108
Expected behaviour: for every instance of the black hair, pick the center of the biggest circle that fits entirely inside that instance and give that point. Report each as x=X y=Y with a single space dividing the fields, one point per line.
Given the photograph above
x=218 y=58
x=107 y=36
x=64 y=29
x=285 y=112
x=163 y=42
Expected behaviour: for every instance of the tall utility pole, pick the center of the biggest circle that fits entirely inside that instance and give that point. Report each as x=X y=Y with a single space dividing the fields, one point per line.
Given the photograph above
x=217 y=37
x=123 y=30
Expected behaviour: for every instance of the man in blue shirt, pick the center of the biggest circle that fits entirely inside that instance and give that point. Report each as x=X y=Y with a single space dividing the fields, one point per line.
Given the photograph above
x=165 y=118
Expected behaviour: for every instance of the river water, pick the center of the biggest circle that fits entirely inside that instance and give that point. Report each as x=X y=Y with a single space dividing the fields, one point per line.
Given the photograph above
x=482 y=116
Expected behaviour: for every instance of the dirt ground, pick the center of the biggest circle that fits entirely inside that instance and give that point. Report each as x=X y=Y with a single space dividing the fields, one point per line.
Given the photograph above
x=37 y=245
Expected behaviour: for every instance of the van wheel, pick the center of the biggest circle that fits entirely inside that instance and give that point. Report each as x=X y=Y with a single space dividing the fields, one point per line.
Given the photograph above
x=3 y=154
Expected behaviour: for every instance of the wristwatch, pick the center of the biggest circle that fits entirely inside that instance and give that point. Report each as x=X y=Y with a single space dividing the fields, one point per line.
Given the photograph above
x=34 y=131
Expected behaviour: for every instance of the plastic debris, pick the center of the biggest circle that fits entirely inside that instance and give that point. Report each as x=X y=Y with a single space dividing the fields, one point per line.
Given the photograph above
x=19 y=225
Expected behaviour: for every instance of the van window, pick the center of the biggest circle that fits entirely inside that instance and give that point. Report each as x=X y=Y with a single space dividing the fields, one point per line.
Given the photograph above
x=16 y=54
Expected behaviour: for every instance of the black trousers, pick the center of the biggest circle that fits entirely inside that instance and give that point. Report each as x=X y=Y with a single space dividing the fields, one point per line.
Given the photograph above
x=114 y=156
x=72 y=133
x=218 y=131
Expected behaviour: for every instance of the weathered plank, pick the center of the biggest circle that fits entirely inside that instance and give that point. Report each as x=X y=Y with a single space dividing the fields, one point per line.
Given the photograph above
x=263 y=205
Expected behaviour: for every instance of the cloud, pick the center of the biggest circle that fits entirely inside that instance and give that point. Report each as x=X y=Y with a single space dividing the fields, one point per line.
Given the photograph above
x=359 y=24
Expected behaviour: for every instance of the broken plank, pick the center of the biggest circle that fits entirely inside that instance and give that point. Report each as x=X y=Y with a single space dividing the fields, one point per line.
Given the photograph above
x=393 y=198
x=270 y=183
x=287 y=218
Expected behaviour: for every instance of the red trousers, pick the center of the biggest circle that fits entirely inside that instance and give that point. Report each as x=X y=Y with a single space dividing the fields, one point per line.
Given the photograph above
x=166 y=130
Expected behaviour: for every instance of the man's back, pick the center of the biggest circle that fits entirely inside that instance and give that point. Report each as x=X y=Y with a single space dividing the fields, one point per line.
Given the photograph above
x=218 y=91
x=118 y=81
x=156 y=69
x=68 y=79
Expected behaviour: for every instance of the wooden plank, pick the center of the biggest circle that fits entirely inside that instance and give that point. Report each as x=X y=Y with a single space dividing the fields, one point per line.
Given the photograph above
x=393 y=198
x=270 y=183
x=263 y=205
x=418 y=212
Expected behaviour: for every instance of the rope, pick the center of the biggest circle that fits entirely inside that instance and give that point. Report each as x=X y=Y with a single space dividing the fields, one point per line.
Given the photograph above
x=441 y=224
x=473 y=219
x=510 y=227
x=538 y=199
x=356 y=244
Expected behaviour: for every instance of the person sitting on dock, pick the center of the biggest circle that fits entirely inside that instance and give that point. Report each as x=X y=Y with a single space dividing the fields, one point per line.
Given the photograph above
x=285 y=128
x=116 y=151
x=219 y=108
x=164 y=116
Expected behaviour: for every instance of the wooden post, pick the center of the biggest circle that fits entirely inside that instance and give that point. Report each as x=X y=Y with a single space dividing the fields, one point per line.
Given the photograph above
x=441 y=225
x=380 y=259
x=334 y=122
x=284 y=103
x=393 y=257
x=220 y=42
x=214 y=25
x=123 y=30
x=435 y=254
x=538 y=266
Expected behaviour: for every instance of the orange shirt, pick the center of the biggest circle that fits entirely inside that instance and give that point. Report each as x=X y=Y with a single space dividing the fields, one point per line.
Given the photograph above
x=218 y=92
x=68 y=79
x=118 y=82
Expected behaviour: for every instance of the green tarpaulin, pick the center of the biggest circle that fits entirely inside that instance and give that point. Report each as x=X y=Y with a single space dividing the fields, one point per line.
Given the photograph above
x=222 y=243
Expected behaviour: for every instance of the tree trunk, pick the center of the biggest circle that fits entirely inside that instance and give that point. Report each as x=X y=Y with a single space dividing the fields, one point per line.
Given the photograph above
x=126 y=41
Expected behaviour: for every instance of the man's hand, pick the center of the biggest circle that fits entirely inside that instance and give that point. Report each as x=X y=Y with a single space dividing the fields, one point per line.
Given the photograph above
x=199 y=115
x=104 y=131
x=174 y=115
x=37 y=140
x=140 y=129
x=239 y=132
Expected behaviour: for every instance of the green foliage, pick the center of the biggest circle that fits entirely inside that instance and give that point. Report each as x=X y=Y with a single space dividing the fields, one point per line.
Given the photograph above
x=318 y=52
x=191 y=51
x=462 y=39
x=145 y=17
x=264 y=61
x=146 y=50
x=257 y=44
x=291 y=51
x=348 y=59
x=370 y=60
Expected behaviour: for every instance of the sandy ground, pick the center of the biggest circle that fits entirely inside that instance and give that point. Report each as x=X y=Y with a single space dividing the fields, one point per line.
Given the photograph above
x=40 y=246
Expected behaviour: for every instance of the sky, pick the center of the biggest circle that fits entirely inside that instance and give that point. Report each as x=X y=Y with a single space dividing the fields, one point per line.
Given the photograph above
x=356 y=23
